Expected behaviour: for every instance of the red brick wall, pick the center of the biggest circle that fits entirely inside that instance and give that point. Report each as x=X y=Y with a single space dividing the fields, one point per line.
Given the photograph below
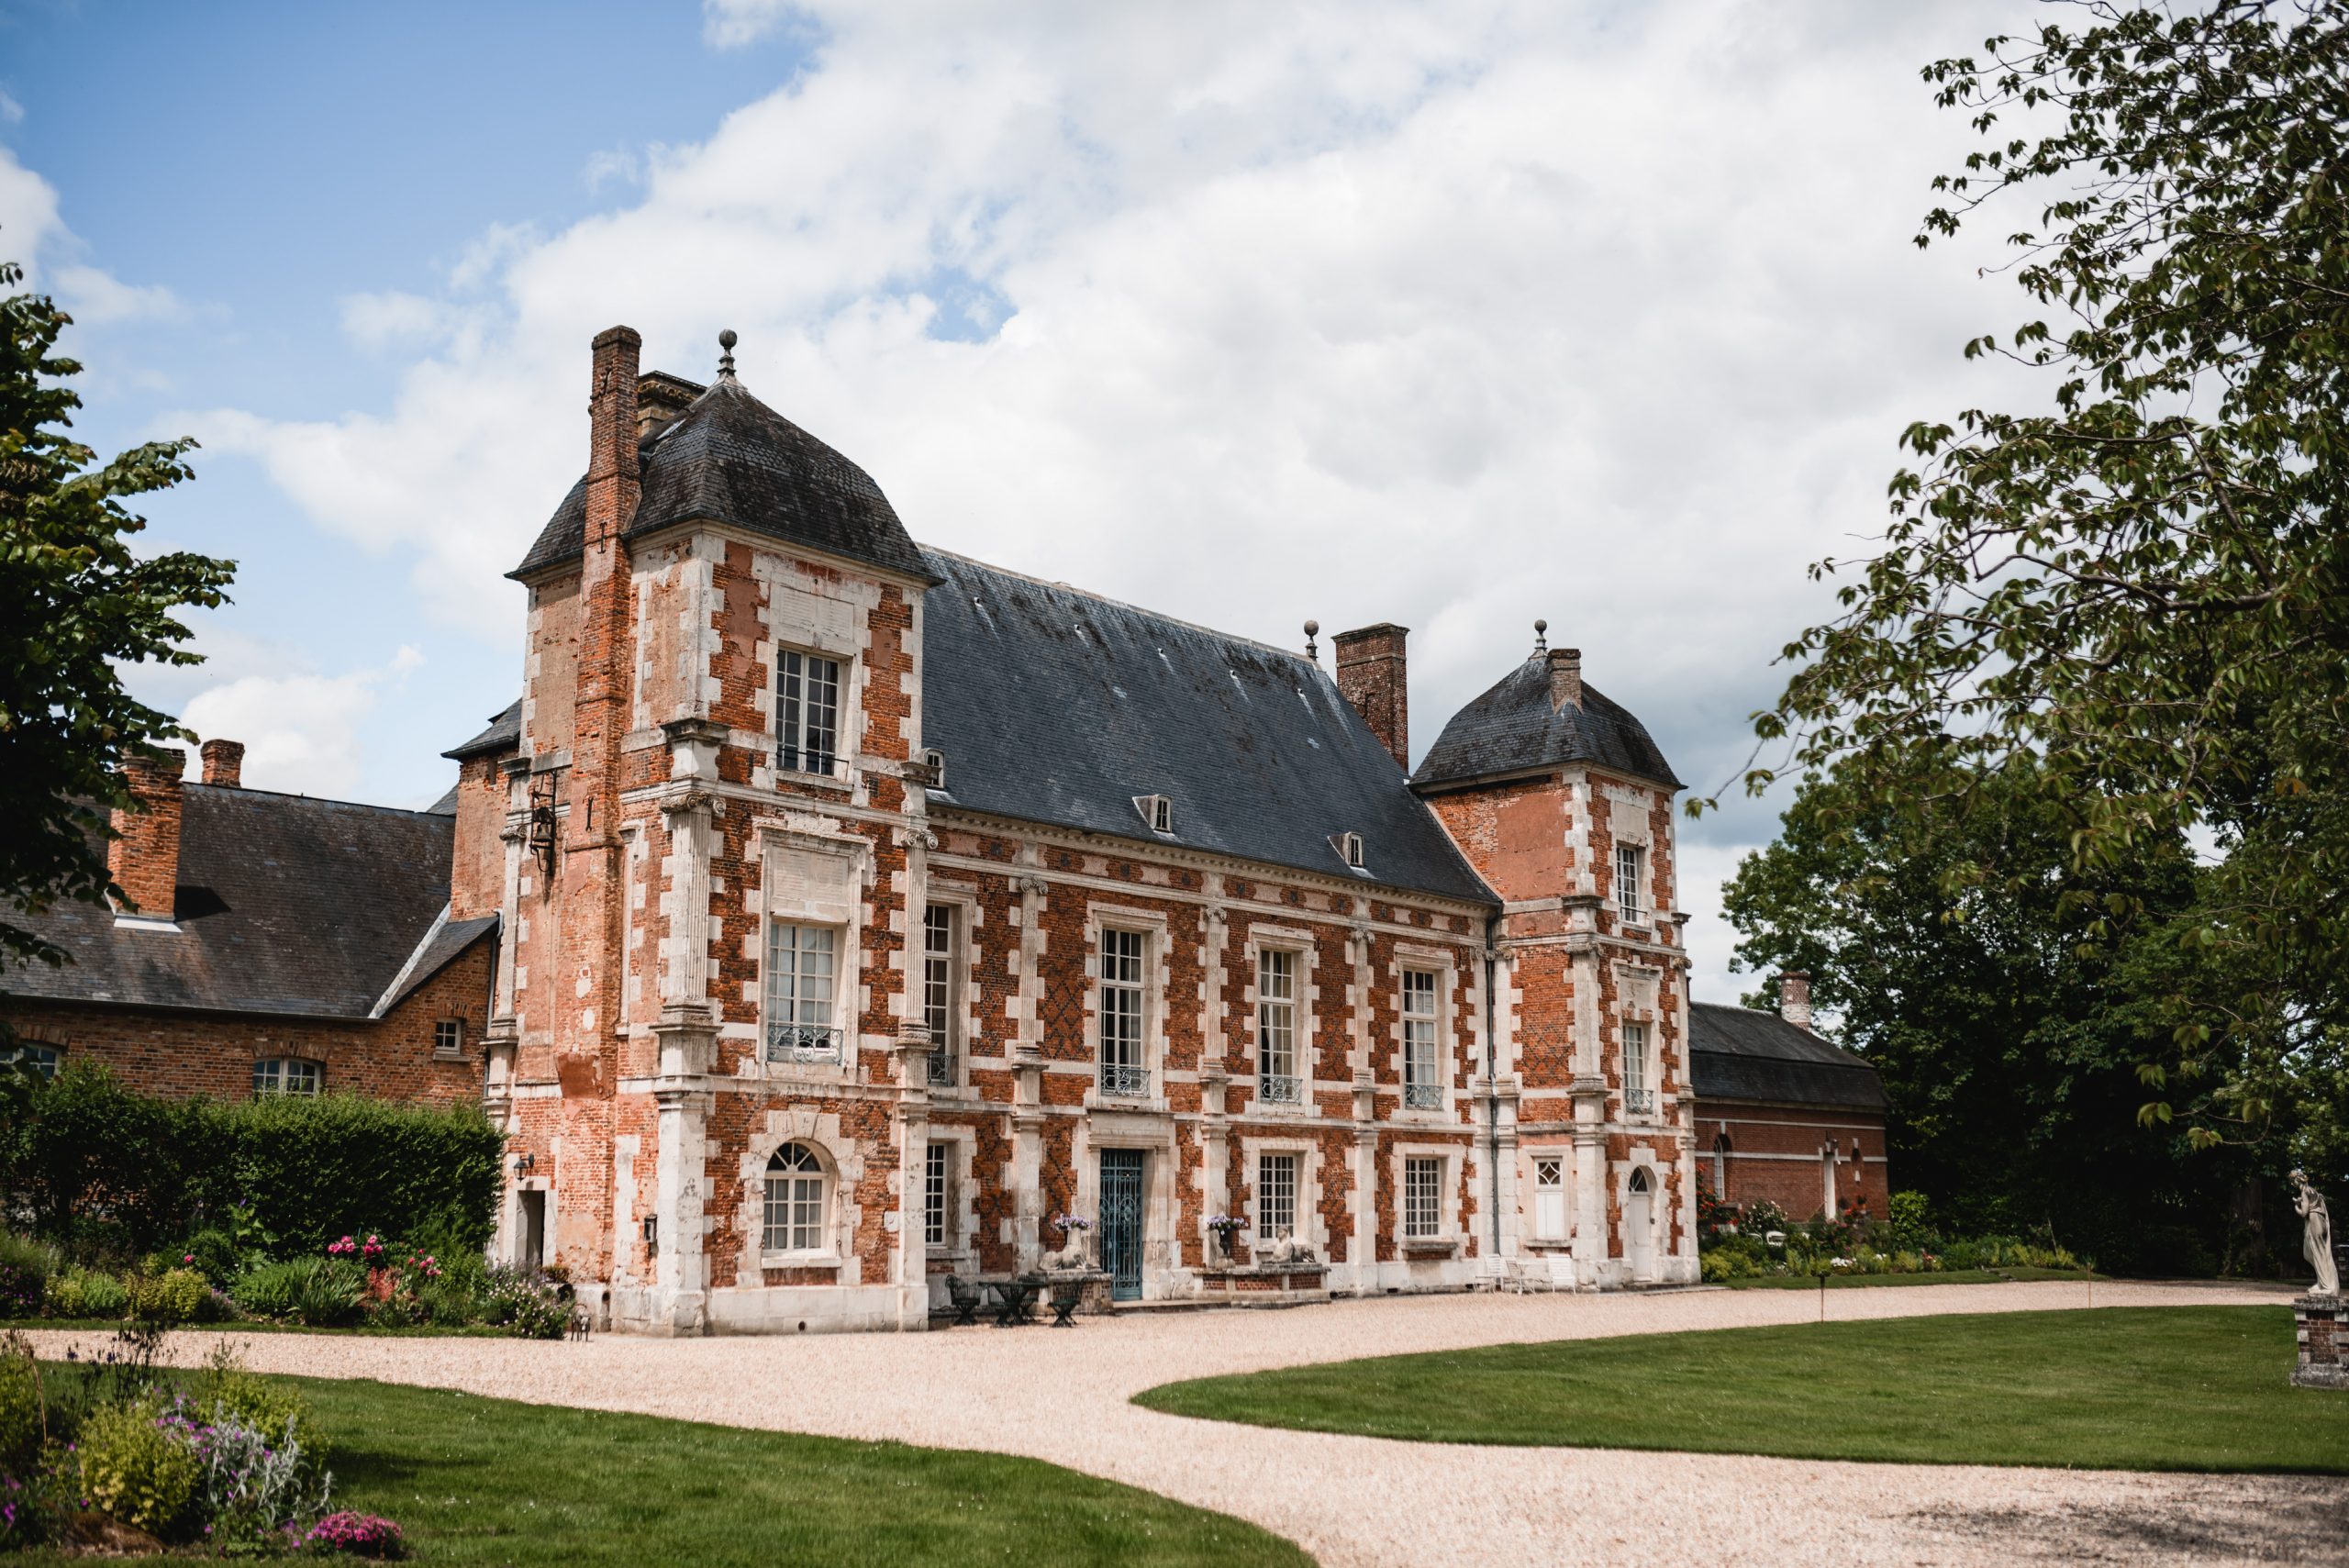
x=158 y=1051
x=477 y=862
x=1774 y=1154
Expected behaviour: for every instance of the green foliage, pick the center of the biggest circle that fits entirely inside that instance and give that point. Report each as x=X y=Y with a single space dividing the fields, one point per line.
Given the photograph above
x=25 y=1270
x=529 y=1304
x=224 y=1389
x=136 y=1471
x=175 y=1296
x=87 y=1292
x=23 y=1412
x=1908 y=1220
x=76 y=605
x=2133 y=596
x=287 y=1174
x=329 y=1292
x=271 y=1290
x=213 y=1254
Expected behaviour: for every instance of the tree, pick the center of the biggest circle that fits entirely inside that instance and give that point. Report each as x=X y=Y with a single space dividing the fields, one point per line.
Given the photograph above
x=75 y=605
x=1953 y=947
x=2137 y=596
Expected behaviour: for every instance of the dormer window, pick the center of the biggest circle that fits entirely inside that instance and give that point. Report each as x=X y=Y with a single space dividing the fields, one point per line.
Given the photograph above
x=1158 y=811
x=1349 y=848
x=935 y=760
x=808 y=712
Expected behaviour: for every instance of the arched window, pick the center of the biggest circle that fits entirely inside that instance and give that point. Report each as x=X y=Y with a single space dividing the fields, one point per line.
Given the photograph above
x=796 y=1195
x=1640 y=1181
x=31 y=1056
x=1720 y=1166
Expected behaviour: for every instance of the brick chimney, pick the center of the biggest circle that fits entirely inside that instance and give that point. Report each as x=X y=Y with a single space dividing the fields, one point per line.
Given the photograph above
x=1794 y=999
x=224 y=763
x=1565 y=677
x=144 y=857
x=1371 y=676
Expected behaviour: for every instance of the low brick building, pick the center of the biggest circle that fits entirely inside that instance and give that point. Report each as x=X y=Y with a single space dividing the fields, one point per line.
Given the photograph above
x=275 y=943
x=1783 y=1114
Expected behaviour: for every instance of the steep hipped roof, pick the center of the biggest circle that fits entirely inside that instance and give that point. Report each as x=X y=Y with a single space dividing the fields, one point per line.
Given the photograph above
x=287 y=906
x=1513 y=729
x=1055 y=707
x=730 y=459
x=1737 y=1053
x=504 y=733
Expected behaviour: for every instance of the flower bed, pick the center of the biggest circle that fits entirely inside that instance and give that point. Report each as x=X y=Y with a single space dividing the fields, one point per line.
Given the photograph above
x=1760 y=1242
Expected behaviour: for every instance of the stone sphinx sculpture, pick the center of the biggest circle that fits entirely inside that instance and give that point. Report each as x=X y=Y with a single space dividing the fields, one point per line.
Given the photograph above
x=2316 y=1234
x=1286 y=1249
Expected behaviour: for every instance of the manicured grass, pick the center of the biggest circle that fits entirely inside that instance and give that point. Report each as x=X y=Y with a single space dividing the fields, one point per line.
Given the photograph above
x=489 y=1481
x=1947 y=1276
x=2114 y=1388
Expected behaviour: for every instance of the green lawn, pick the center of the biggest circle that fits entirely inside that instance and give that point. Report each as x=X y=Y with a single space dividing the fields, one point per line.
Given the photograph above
x=1947 y=1276
x=2133 y=1388
x=489 y=1481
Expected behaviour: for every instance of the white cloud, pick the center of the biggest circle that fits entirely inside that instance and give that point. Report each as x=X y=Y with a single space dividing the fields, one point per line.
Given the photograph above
x=395 y=320
x=301 y=731
x=611 y=165
x=11 y=111
x=1451 y=314
x=95 y=298
x=32 y=234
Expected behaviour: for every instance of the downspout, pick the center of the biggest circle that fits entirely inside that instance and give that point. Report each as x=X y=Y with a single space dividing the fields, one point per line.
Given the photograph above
x=1492 y=1084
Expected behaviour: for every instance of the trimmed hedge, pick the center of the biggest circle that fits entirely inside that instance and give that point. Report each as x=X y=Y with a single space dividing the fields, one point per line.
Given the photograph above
x=287 y=1173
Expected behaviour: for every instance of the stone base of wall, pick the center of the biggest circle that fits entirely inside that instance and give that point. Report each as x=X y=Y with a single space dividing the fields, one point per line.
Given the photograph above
x=2323 y=1325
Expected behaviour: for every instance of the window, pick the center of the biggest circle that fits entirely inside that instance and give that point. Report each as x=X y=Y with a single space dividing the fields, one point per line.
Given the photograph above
x=448 y=1038
x=286 y=1075
x=1275 y=1196
x=1550 y=1197
x=934 y=1205
x=794 y=1216
x=1637 y=1095
x=1422 y=1198
x=1350 y=845
x=1276 y=1074
x=31 y=1056
x=935 y=760
x=1720 y=1166
x=1629 y=899
x=800 y=961
x=1122 y=1001
x=937 y=989
x=1158 y=811
x=808 y=722
x=1422 y=1077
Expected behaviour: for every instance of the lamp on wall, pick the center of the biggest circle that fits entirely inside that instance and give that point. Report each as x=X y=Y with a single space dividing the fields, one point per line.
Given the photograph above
x=525 y=1163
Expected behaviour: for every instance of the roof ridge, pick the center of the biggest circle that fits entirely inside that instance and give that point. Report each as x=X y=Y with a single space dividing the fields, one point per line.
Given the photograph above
x=1122 y=603
x=313 y=799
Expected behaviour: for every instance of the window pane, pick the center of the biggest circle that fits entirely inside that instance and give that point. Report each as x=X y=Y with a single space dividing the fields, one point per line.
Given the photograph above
x=1121 y=1009
x=1276 y=1016
x=1422 y=1189
x=937 y=971
x=1275 y=1196
x=933 y=1196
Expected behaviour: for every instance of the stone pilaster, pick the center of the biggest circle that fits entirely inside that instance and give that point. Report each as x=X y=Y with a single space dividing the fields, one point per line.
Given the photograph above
x=2322 y=1322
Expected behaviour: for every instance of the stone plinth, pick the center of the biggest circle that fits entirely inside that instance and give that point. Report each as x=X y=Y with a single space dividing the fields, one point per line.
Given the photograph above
x=1265 y=1284
x=2323 y=1324
x=1095 y=1299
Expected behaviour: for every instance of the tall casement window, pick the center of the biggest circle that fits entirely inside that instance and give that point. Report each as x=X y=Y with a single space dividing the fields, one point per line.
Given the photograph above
x=1422 y=1069
x=795 y=1213
x=286 y=1075
x=937 y=989
x=31 y=1056
x=1422 y=1198
x=1631 y=900
x=802 y=962
x=808 y=709
x=1720 y=1166
x=1275 y=1196
x=1637 y=1094
x=1550 y=1197
x=936 y=1176
x=1123 y=1072
x=1277 y=1080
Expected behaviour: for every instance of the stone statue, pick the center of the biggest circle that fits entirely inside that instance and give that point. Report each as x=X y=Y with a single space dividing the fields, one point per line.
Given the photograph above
x=2316 y=1234
x=1287 y=1249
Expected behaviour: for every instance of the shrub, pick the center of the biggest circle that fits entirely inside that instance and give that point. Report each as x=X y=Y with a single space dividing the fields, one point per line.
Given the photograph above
x=226 y=1392
x=22 y=1412
x=136 y=1469
x=270 y=1290
x=1908 y=1220
x=175 y=1296
x=329 y=1292
x=531 y=1306
x=1762 y=1218
x=255 y=1481
x=357 y=1535
x=87 y=1293
x=310 y=1170
x=25 y=1268
x=213 y=1255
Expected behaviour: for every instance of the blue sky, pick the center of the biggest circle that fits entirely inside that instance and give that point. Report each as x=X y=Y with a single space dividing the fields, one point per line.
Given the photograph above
x=1450 y=314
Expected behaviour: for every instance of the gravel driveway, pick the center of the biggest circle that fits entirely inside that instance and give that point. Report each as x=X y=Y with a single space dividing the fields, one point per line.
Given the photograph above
x=1062 y=1395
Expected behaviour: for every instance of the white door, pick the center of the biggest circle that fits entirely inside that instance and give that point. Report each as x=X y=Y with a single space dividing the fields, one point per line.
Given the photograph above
x=1639 y=1227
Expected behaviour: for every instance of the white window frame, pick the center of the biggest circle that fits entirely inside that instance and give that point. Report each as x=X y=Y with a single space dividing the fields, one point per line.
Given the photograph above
x=449 y=1040
x=1279 y=1048
x=1422 y=1214
x=799 y=679
x=1549 y=1210
x=288 y=1075
x=1267 y=1224
x=800 y=1174
x=1422 y=1033
x=938 y=1215
x=1631 y=882
x=1124 y=1074
x=1157 y=813
x=783 y=1040
x=941 y=986
x=1638 y=1090
x=37 y=1057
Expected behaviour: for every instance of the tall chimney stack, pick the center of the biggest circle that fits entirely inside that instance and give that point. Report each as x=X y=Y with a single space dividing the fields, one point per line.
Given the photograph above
x=224 y=763
x=1565 y=677
x=1794 y=999
x=144 y=857
x=1371 y=676
x=612 y=435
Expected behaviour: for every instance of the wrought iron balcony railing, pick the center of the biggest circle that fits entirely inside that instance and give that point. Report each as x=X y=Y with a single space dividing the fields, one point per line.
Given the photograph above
x=1280 y=1089
x=1423 y=1096
x=1118 y=1078
x=805 y=1042
x=941 y=1067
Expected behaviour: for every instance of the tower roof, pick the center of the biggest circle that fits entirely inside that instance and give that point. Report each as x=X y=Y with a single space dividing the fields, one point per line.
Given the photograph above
x=730 y=459
x=1515 y=728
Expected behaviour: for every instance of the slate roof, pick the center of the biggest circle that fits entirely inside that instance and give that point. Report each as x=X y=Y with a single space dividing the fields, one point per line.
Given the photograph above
x=730 y=459
x=287 y=906
x=1512 y=728
x=1737 y=1053
x=504 y=733
x=1055 y=707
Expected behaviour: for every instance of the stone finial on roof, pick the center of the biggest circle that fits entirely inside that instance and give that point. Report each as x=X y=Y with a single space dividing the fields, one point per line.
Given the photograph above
x=1541 y=637
x=725 y=342
x=1312 y=630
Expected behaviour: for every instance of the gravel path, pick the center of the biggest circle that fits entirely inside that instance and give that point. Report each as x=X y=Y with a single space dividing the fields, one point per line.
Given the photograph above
x=1062 y=1395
